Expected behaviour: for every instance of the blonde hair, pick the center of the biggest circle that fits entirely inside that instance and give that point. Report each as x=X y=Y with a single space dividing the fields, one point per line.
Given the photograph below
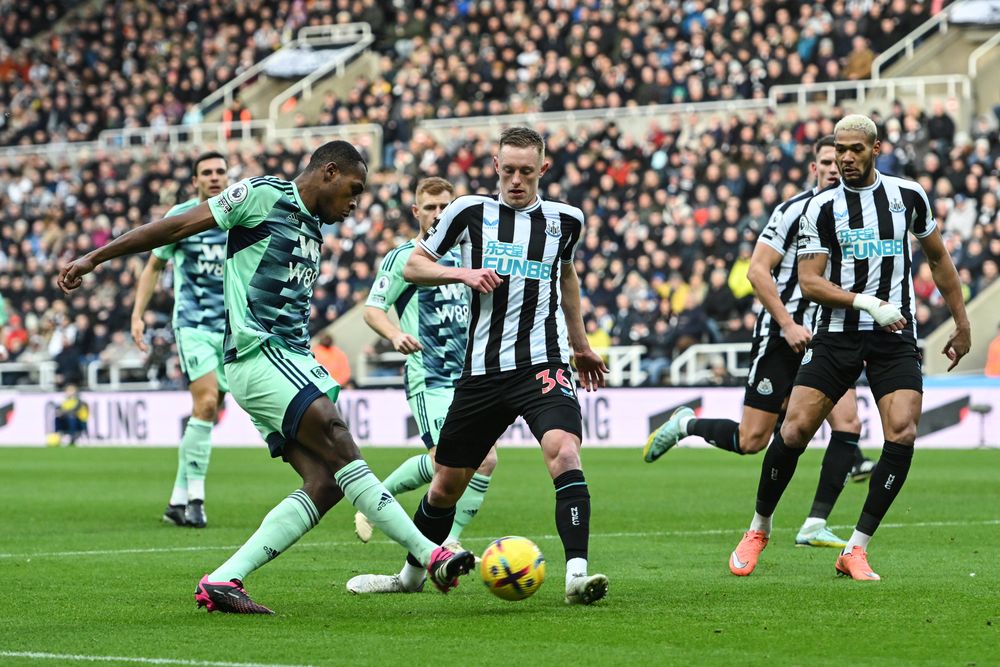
x=434 y=185
x=859 y=123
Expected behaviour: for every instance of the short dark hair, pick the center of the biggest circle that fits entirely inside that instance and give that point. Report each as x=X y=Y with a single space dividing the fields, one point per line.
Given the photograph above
x=210 y=155
x=342 y=152
x=823 y=142
x=522 y=137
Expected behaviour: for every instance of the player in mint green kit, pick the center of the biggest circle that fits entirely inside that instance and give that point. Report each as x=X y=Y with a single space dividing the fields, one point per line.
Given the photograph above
x=272 y=261
x=199 y=310
x=433 y=332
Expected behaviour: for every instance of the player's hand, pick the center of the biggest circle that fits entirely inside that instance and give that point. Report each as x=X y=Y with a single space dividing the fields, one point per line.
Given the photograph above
x=483 y=281
x=958 y=345
x=71 y=275
x=138 y=331
x=797 y=336
x=591 y=368
x=404 y=343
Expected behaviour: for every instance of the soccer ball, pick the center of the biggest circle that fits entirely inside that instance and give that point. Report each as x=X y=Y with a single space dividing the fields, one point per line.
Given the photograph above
x=513 y=568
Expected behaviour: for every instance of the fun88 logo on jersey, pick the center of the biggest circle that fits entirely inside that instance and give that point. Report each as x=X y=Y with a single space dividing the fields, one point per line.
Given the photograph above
x=865 y=244
x=507 y=259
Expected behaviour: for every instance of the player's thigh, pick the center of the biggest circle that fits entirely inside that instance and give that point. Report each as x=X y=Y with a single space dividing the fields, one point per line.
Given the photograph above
x=199 y=352
x=276 y=387
x=477 y=417
x=844 y=415
x=771 y=375
x=429 y=408
x=807 y=408
x=546 y=397
x=756 y=428
x=900 y=414
x=892 y=363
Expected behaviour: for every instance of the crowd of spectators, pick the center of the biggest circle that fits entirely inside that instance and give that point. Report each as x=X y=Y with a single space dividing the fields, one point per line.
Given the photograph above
x=141 y=64
x=670 y=222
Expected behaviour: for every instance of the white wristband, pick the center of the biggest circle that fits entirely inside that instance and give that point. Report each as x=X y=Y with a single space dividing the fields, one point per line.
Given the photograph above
x=866 y=303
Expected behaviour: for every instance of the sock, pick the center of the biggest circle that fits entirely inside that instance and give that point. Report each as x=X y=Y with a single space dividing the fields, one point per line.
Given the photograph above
x=775 y=473
x=196 y=489
x=837 y=463
x=281 y=528
x=197 y=448
x=411 y=474
x=858 y=539
x=573 y=513
x=411 y=576
x=761 y=522
x=812 y=523
x=575 y=567
x=468 y=505
x=433 y=522
x=721 y=433
x=685 y=424
x=369 y=497
x=883 y=487
x=179 y=496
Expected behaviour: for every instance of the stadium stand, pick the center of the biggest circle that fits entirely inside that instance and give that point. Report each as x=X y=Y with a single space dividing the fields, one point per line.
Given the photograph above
x=671 y=216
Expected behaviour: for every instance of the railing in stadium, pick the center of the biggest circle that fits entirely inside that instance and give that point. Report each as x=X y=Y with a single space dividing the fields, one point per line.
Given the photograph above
x=906 y=46
x=836 y=92
x=309 y=37
x=694 y=365
x=980 y=52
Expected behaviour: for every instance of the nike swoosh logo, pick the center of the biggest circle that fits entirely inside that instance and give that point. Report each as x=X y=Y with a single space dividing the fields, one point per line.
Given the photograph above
x=737 y=563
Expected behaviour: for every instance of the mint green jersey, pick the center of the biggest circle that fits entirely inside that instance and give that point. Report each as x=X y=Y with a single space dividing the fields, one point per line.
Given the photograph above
x=272 y=260
x=198 y=263
x=436 y=315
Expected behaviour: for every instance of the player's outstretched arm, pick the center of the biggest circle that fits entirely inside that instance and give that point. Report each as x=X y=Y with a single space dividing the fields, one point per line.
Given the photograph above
x=762 y=264
x=146 y=237
x=422 y=269
x=816 y=288
x=143 y=293
x=946 y=278
x=380 y=323
x=589 y=364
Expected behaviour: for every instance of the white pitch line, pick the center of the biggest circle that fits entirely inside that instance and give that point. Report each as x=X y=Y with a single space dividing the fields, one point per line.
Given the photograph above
x=35 y=655
x=344 y=543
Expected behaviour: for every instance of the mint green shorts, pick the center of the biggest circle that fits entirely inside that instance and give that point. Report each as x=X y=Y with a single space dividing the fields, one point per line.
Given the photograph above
x=200 y=352
x=429 y=408
x=275 y=386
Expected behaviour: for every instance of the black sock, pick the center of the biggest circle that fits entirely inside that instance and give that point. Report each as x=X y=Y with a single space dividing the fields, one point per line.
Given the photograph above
x=859 y=456
x=775 y=473
x=721 y=433
x=837 y=464
x=573 y=513
x=433 y=522
x=883 y=487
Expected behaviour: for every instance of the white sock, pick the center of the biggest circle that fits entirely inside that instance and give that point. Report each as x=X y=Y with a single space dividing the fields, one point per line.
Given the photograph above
x=684 y=424
x=575 y=567
x=761 y=523
x=196 y=489
x=858 y=539
x=812 y=523
x=179 y=496
x=411 y=576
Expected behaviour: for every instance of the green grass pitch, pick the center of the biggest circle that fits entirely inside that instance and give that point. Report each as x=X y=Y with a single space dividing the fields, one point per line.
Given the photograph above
x=88 y=573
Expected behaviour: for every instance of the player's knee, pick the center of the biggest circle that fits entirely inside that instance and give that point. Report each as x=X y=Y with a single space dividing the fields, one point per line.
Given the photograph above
x=446 y=488
x=850 y=424
x=795 y=434
x=343 y=449
x=321 y=487
x=206 y=409
x=903 y=431
x=565 y=455
x=489 y=464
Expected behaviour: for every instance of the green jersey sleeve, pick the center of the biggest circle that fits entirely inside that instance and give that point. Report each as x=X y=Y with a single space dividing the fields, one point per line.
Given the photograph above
x=389 y=282
x=243 y=204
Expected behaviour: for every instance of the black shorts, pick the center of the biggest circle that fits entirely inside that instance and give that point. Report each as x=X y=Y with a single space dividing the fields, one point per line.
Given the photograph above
x=485 y=405
x=772 y=374
x=834 y=361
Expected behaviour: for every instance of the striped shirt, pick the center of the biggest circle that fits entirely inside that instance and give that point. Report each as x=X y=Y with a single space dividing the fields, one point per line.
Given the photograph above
x=520 y=323
x=781 y=233
x=864 y=231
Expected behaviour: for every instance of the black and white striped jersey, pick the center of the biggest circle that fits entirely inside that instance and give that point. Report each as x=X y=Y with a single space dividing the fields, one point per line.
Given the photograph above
x=864 y=233
x=781 y=233
x=520 y=323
